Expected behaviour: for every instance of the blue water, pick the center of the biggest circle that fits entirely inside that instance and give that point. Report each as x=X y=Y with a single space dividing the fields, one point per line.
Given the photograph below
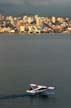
x=43 y=59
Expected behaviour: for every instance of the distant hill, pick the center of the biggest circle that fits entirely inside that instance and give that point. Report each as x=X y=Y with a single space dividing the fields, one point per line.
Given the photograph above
x=6 y=9
x=12 y=9
x=2 y=12
x=28 y=9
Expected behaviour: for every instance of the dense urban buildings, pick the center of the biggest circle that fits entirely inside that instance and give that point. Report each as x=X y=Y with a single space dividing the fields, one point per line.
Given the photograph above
x=35 y=24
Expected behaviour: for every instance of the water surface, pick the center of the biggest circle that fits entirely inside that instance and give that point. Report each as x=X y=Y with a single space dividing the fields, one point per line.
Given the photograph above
x=42 y=59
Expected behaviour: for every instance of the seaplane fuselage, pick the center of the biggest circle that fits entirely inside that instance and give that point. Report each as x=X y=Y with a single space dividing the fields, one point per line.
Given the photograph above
x=39 y=89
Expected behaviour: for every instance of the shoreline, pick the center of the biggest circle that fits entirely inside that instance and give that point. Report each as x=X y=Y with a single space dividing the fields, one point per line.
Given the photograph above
x=24 y=34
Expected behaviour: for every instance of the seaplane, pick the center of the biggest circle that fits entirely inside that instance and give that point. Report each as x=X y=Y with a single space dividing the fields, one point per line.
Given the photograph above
x=35 y=89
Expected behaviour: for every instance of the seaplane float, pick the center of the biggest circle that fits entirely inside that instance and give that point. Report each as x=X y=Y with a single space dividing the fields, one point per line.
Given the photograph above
x=35 y=89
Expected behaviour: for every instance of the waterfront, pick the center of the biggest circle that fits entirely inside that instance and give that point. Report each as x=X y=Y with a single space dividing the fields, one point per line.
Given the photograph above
x=42 y=59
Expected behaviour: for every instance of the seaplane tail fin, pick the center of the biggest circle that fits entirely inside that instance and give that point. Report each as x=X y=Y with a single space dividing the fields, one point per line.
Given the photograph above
x=51 y=88
x=33 y=86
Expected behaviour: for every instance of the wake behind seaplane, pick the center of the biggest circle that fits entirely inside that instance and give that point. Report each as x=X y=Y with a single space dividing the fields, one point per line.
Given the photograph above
x=35 y=89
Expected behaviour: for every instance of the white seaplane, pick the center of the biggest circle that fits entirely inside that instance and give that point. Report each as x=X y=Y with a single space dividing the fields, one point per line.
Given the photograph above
x=35 y=89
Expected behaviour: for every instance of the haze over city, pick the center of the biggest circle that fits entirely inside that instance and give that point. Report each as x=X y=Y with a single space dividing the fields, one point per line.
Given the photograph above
x=37 y=2
x=41 y=7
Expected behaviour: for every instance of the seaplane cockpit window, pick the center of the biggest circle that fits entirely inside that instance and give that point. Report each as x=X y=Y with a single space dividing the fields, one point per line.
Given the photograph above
x=42 y=89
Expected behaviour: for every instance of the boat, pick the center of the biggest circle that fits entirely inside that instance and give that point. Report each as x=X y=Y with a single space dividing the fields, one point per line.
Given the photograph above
x=35 y=89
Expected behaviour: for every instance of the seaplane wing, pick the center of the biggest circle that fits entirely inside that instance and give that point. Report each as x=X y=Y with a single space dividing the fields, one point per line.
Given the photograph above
x=34 y=86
